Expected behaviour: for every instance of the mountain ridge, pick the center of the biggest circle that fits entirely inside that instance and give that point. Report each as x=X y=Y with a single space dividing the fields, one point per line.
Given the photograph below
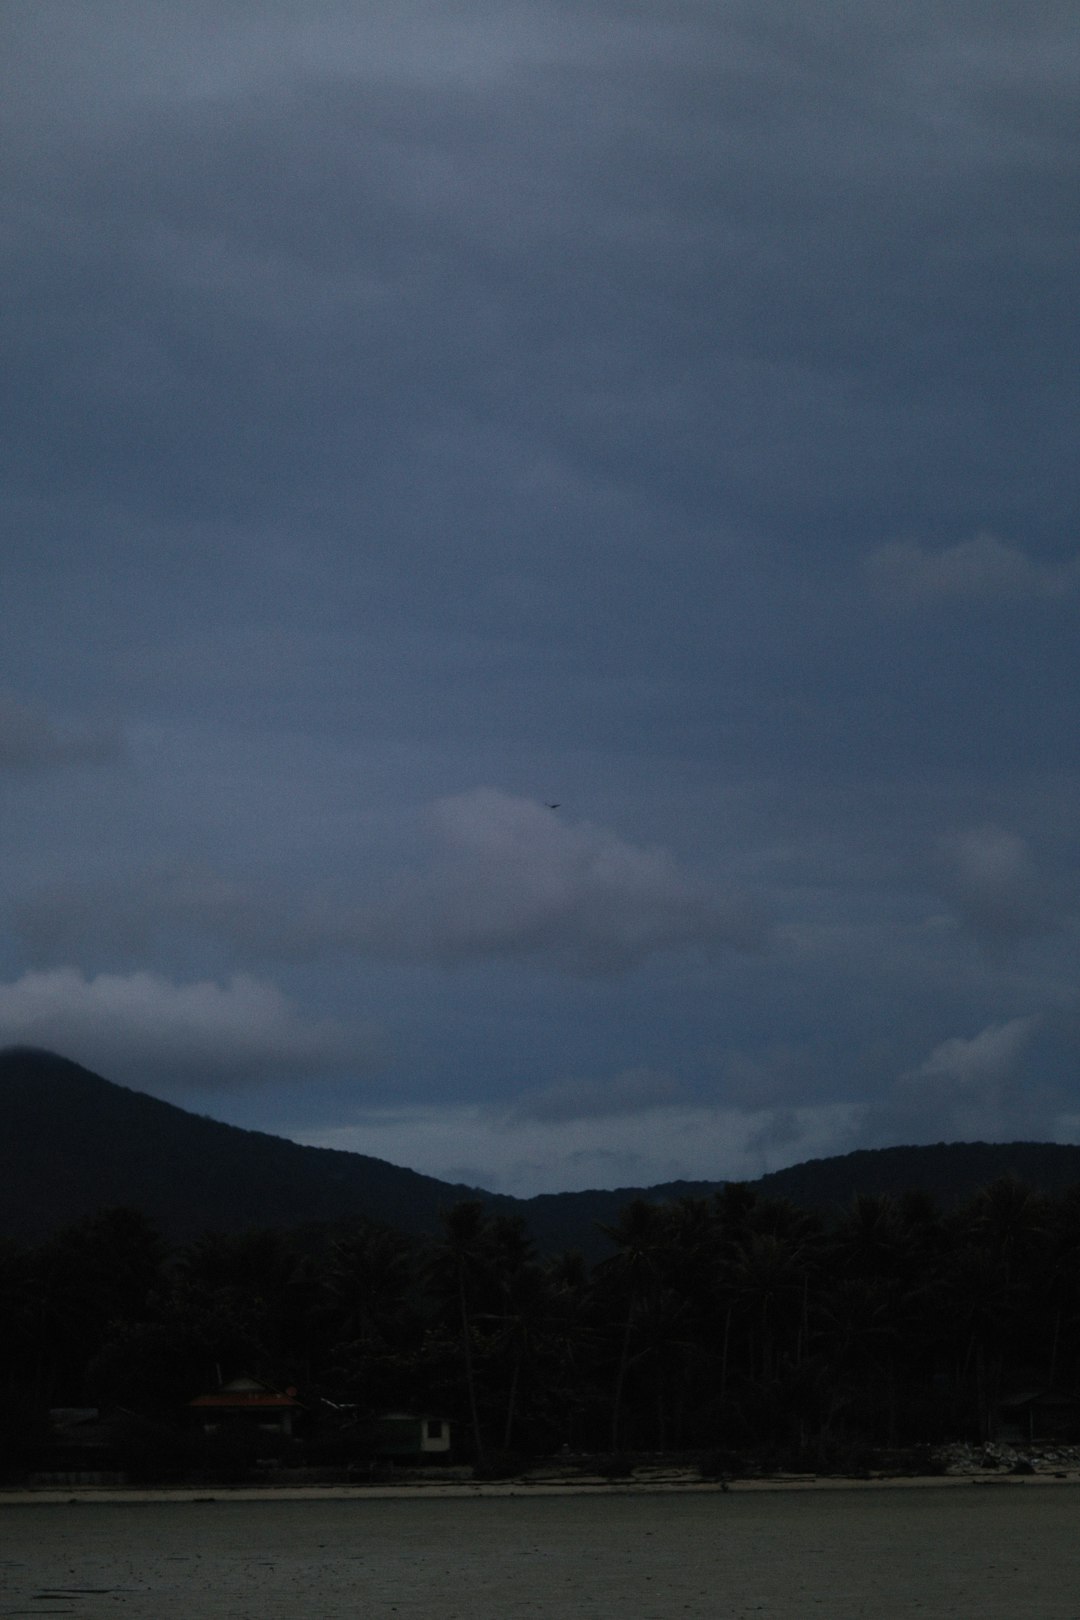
x=73 y=1142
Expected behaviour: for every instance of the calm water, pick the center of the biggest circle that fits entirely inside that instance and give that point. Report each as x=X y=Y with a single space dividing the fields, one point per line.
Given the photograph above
x=980 y=1551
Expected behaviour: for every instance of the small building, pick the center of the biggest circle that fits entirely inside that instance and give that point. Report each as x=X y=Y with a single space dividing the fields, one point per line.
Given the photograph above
x=255 y=1405
x=1034 y=1416
x=404 y=1434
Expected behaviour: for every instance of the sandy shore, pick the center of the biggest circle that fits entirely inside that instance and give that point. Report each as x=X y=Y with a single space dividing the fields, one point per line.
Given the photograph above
x=776 y=1550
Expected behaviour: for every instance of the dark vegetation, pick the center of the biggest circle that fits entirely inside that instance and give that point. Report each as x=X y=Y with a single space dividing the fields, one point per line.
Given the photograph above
x=728 y=1327
x=729 y=1322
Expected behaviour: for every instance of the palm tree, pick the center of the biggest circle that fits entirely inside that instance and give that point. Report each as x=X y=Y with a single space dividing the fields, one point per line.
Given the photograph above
x=260 y=1284
x=1061 y=1287
x=368 y=1319
x=519 y=1304
x=102 y=1270
x=456 y=1268
x=1004 y=1245
x=639 y=1236
x=569 y=1341
x=366 y=1281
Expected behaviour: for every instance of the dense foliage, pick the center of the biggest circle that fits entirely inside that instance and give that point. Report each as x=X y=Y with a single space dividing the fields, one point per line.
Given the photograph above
x=731 y=1322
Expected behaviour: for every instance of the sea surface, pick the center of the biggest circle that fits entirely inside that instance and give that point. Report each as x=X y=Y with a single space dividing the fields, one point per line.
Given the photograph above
x=986 y=1551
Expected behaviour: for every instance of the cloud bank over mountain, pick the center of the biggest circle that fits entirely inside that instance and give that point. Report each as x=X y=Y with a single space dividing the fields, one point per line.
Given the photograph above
x=142 y=1030
x=422 y=415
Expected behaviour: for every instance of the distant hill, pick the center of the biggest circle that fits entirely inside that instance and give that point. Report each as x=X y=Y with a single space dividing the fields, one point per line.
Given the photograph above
x=72 y=1142
x=949 y=1171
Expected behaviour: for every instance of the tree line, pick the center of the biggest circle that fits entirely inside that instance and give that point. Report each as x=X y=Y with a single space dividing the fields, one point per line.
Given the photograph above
x=735 y=1322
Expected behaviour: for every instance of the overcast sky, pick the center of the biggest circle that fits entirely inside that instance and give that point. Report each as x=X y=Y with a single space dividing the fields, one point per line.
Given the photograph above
x=421 y=413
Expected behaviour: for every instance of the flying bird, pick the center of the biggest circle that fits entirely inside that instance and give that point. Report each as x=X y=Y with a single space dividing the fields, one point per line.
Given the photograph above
x=551 y=806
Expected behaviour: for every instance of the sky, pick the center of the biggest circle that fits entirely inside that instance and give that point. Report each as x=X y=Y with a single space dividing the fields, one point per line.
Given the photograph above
x=540 y=585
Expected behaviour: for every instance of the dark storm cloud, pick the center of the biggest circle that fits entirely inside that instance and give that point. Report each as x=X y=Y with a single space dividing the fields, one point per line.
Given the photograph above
x=776 y=1075
x=687 y=244
x=683 y=287
x=633 y=1092
x=666 y=409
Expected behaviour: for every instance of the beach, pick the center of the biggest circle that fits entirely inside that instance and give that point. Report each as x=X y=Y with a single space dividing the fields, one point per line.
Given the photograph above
x=933 y=1550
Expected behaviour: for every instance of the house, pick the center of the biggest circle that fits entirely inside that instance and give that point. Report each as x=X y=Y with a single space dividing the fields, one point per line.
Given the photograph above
x=253 y=1404
x=1037 y=1415
x=403 y=1434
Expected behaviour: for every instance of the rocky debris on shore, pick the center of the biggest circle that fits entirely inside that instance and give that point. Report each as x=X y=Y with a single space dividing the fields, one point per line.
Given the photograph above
x=994 y=1456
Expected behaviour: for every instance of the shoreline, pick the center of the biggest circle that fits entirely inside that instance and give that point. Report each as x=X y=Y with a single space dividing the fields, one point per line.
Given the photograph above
x=649 y=1549
x=446 y=1490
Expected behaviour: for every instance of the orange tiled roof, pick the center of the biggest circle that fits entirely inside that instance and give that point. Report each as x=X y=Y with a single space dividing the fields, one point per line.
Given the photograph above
x=244 y=1398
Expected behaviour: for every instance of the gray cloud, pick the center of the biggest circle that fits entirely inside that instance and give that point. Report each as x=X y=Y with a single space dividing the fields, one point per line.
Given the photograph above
x=509 y=877
x=468 y=212
x=980 y=1061
x=31 y=740
x=129 y=918
x=634 y=1091
x=971 y=1088
x=506 y=877
x=530 y=1156
x=411 y=396
x=981 y=570
x=782 y=1130
x=990 y=876
x=777 y=1075
x=145 y=1031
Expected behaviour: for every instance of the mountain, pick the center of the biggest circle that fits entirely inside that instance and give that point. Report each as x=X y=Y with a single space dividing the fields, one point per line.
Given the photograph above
x=72 y=1142
x=949 y=1171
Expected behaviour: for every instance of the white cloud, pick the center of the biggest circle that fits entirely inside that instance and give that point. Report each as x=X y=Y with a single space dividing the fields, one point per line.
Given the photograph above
x=983 y=569
x=509 y=877
x=144 y=1031
x=969 y=1088
x=981 y=1061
